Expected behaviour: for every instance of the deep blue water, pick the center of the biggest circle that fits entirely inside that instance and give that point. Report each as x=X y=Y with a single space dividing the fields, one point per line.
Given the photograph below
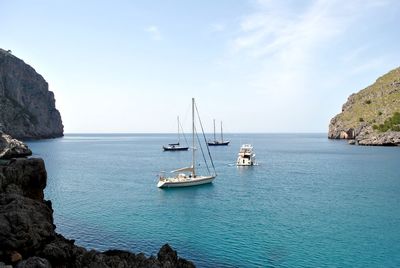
x=312 y=202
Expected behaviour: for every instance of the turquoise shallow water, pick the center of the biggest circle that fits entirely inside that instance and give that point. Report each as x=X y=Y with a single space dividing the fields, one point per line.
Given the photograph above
x=312 y=202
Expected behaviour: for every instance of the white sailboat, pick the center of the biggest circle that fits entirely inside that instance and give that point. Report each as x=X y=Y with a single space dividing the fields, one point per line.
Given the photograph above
x=187 y=176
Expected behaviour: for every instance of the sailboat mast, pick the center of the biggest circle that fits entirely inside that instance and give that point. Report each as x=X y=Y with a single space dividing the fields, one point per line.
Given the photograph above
x=193 y=160
x=222 y=135
x=178 y=131
x=214 y=131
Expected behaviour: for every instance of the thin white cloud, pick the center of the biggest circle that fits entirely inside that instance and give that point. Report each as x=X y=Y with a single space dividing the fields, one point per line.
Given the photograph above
x=154 y=32
x=290 y=55
x=286 y=40
x=284 y=45
x=269 y=32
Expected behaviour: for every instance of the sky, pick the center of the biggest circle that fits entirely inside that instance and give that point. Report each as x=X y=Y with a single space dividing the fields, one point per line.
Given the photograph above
x=259 y=66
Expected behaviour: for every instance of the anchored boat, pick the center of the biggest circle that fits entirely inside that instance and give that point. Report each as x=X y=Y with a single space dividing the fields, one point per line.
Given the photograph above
x=246 y=156
x=176 y=146
x=216 y=142
x=188 y=176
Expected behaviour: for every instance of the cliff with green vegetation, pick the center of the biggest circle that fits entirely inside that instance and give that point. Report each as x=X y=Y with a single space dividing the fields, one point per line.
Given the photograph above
x=371 y=116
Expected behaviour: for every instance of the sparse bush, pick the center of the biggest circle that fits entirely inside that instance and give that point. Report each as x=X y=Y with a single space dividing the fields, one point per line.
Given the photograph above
x=368 y=102
x=379 y=113
x=396 y=118
x=392 y=123
x=361 y=119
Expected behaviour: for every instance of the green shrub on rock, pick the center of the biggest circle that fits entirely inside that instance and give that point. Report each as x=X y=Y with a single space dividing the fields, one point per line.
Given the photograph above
x=392 y=123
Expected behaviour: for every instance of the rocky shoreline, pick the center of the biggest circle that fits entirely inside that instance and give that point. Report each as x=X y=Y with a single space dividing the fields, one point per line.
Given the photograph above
x=364 y=135
x=27 y=231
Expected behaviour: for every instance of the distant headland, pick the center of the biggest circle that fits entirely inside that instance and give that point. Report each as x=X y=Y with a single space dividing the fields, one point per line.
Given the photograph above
x=371 y=116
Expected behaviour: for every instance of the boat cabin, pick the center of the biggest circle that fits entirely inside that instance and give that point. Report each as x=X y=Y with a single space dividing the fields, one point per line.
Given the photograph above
x=246 y=157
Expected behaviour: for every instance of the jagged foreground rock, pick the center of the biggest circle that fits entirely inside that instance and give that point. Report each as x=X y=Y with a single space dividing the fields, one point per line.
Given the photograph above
x=10 y=147
x=27 y=107
x=370 y=107
x=27 y=231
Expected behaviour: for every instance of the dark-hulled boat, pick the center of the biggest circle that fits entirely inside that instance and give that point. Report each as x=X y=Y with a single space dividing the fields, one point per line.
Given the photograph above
x=216 y=142
x=176 y=146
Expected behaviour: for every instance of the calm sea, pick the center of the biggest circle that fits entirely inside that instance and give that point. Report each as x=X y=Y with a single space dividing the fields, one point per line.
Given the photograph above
x=312 y=202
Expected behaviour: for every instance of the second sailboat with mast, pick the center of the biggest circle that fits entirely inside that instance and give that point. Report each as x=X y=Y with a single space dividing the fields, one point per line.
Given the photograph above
x=177 y=146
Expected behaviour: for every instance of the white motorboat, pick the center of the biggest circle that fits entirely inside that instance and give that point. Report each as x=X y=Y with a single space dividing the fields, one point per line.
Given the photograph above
x=246 y=156
x=187 y=176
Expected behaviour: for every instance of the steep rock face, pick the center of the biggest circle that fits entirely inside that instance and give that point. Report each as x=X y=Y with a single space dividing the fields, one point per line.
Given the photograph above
x=370 y=107
x=27 y=231
x=27 y=107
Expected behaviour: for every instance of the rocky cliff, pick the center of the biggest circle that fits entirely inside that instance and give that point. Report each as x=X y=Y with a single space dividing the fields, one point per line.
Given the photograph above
x=371 y=116
x=27 y=107
x=27 y=230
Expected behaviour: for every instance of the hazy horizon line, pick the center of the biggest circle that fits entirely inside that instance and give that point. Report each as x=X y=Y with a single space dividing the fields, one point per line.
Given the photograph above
x=207 y=133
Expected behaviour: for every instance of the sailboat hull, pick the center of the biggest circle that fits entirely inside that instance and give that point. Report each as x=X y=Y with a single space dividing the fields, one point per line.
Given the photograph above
x=175 y=148
x=184 y=182
x=218 y=143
